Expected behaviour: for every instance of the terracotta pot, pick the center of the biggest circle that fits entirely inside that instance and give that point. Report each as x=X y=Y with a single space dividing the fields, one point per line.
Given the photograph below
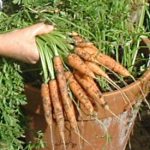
x=93 y=132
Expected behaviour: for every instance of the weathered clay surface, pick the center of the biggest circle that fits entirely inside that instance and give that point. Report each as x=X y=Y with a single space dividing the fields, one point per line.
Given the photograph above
x=94 y=133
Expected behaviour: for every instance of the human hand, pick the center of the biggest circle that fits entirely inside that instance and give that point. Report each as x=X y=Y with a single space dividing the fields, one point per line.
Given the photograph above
x=21 y=44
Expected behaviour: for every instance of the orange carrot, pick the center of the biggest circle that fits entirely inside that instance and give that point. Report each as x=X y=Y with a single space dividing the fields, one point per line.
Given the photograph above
x=89 y=86
x=46 y=103
x=96 y=69
x=93 y=91
x=57 y=108
x=77 y=63
x=112 y=64
x=87 y=53
x=67 y=103
x=79 y=92
x=47 y=106
x=91 y=53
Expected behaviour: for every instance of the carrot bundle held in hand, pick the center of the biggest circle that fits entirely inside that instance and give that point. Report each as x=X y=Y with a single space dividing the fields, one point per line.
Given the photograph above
x=49 y=77
x=45 y=93
x=55 y=56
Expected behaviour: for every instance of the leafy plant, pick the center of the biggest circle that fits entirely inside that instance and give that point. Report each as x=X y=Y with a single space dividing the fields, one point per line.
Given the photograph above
x=12 y=127
x=11 y=98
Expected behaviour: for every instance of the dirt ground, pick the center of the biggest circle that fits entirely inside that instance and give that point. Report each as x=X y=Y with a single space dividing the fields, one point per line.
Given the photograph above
x=140 y=137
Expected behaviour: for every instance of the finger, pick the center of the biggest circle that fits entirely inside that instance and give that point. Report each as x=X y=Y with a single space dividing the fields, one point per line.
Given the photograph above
x=41 y=28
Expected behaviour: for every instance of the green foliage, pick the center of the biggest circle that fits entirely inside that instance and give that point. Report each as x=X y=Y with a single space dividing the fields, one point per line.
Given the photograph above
x=147 y=20
x=30 y=2
x=11 y=98
x=109 y=24
x=114 y=26
x=12 y=120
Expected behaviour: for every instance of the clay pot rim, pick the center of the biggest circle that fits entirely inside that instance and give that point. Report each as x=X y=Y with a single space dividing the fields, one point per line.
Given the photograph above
x=144 y=77
x=116 y=101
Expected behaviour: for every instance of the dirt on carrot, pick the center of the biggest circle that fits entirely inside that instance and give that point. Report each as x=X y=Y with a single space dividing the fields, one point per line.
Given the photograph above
x=58 y=110
x=67 y=103
x=96 y=69
x=112 y=64
x=91 y=53
x=79 y=92
x=47 y=106
x=89 y=86
x=77 y=63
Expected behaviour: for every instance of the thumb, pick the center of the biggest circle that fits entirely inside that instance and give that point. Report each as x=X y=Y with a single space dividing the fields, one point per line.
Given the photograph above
x=41 y=28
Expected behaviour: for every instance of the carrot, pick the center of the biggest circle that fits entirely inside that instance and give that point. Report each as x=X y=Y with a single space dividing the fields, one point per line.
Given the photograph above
x=89 y=86
x=78 y=39
x=47 y=106
x=79 y=92
x=112 y=64
x=57 y=108
x=96 y=69
x=91 y=53
x=93 y=91
x=87 y=53
x=77 y=63
x=68 y=106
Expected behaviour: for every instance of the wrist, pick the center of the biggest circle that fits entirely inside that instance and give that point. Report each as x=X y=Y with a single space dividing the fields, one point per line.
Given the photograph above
x=6 y=45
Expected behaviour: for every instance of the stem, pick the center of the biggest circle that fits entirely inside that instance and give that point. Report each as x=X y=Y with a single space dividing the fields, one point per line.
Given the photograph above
x=79 y=27
x=55 y=50
x=57 y=42
x=52 y=74
x=42 y=57
x=48 y=58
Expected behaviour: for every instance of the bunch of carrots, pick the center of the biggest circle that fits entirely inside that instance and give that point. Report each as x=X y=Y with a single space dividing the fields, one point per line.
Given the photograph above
x=70 y=75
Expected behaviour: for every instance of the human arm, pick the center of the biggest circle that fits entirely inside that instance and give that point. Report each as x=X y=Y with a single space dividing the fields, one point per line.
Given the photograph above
x=21 y=44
